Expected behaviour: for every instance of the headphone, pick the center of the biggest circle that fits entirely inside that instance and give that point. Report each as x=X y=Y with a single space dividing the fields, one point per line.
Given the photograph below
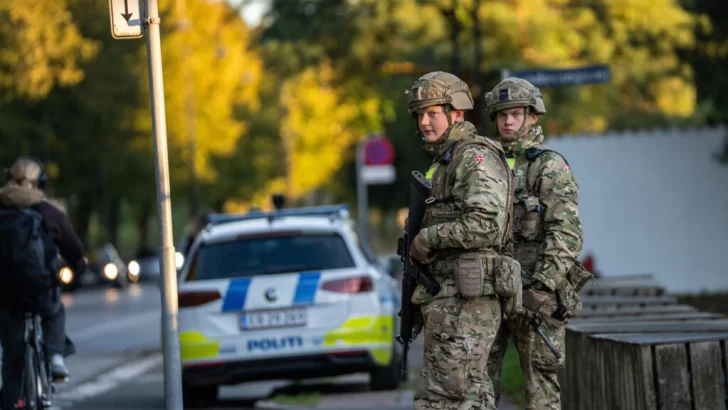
x=42 y=177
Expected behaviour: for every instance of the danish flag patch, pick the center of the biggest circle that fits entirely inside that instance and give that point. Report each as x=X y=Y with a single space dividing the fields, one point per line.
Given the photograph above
x=478 y=159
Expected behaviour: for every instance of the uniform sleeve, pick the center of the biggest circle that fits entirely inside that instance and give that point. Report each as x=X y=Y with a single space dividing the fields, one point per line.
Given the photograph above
x=481 y=192
x=558 y=192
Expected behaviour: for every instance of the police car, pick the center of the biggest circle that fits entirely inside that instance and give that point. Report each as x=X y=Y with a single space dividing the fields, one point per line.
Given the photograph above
x=289 y=294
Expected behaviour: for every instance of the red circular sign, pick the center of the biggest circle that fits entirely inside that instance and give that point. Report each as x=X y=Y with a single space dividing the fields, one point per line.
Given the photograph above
x=378 y=151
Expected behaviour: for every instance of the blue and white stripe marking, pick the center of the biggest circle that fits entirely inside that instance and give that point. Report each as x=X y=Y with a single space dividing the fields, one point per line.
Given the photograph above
x=249 y=293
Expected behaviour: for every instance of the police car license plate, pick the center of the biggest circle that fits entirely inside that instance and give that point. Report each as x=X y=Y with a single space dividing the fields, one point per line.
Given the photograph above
x=264 y=319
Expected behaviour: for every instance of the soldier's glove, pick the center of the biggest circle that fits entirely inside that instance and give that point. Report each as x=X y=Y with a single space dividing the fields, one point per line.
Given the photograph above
x=420 y=249
x=417 y=325
x=535 y=301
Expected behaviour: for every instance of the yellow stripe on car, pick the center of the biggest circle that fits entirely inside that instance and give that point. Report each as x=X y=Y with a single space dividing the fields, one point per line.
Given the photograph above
x=365 y=330
x=194 y=345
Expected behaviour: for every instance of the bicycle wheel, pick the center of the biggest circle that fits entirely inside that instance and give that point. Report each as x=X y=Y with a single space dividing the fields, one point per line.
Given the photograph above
x=30 y=381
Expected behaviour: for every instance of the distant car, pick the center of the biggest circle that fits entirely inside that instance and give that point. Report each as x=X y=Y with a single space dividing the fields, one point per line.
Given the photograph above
x=145 y=267
x=394 y=265
x=105 y=267
x=285 y=295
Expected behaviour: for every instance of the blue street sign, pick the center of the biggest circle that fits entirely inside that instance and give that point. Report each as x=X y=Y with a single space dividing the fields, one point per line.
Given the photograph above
x=555 y=77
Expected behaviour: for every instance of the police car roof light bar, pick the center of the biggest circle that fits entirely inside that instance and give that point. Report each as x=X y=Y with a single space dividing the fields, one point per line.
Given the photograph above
x=331 y=211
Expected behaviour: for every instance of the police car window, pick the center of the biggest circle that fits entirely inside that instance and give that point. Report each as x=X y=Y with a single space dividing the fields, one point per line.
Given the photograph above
x=270 y=255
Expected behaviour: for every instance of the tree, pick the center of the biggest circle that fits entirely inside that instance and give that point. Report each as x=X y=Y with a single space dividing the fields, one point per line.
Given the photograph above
x=41 y=48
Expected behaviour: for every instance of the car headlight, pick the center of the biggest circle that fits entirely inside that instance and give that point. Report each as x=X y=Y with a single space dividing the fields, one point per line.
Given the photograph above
x=179 y=260
x=65 y=275
x=111 y=271
x=134 y=268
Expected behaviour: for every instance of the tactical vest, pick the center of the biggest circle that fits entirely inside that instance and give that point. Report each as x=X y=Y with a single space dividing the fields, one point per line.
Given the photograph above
x=528 y=213
x=441 y=206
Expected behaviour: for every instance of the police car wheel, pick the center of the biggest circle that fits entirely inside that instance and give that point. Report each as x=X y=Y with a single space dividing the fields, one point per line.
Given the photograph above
x=387 y=377
x=194 y=396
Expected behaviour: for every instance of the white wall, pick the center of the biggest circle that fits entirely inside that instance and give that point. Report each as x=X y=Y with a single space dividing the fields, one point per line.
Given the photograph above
x=654 y=202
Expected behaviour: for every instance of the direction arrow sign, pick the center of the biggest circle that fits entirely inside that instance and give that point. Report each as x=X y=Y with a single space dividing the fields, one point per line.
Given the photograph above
x=126 y=20
x=555 y=77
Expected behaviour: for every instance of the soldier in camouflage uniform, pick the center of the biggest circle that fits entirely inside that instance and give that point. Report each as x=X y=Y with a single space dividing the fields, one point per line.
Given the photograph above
x=463 y=232
x=548 y=238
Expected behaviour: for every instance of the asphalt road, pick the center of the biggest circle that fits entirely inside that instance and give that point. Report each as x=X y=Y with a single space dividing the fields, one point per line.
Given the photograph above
x=119 y=365
x=119 y=362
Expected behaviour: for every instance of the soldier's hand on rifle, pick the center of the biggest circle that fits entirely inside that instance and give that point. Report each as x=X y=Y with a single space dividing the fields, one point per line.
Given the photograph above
x=417 y=325
x=536 y=301
x=421 y=250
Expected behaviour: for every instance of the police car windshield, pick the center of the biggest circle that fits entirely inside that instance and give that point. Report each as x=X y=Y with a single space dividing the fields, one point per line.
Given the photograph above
x=284 y=253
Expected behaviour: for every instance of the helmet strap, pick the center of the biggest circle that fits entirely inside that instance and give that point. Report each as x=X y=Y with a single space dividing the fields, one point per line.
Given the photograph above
x=523 y=131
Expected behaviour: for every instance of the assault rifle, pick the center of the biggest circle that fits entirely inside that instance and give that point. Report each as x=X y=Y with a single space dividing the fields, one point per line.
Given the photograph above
x=414 y=272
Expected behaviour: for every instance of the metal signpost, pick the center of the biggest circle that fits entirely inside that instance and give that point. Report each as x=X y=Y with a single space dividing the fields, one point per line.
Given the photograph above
x=555 y=77
x=127 y=22
x=374 y=157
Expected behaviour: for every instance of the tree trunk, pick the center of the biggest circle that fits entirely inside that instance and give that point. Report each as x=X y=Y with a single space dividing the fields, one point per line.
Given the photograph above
x=112 y=221
x=142 y=224
x=454 y=26
x=82 y=217
x=479 y=116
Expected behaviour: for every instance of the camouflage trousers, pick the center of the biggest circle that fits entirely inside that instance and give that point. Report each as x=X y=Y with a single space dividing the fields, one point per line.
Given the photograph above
x=459 y=334
x=539 y=365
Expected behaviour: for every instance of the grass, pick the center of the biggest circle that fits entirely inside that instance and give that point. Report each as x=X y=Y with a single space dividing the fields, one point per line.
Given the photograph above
x=512 y=382
x=302 y=399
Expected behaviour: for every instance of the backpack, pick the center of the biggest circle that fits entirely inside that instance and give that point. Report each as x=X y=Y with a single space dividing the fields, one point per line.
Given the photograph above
x=26 y=255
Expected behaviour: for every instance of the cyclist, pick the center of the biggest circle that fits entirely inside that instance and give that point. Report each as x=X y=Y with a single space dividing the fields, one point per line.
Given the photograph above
x=22 y=192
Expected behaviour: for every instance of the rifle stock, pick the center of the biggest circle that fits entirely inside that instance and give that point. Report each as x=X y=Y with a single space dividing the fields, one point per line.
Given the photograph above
x=414 y=273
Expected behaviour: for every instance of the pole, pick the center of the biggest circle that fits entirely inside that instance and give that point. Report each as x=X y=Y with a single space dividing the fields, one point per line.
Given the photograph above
x=170 y=339
x=361 y=194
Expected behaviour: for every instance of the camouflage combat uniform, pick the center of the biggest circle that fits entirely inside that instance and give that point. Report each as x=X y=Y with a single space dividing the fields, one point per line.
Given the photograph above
x=468 y=213
x=548 y=238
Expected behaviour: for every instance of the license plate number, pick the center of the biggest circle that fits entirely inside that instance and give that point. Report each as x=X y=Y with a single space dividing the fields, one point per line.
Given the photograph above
x=273 y=318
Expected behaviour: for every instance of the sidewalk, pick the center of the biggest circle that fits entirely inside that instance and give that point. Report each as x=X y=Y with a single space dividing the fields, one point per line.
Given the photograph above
x=351 y=392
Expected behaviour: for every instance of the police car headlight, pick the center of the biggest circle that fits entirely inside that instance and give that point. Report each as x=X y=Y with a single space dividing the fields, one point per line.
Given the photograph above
x=65 y=275
x=111 y=271
x=134 y=268
x=179 y=260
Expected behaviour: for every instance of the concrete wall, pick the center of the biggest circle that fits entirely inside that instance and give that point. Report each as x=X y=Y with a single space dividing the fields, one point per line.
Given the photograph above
x=654 y=202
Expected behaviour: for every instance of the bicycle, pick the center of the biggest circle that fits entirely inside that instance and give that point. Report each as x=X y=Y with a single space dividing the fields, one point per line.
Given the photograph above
x=36 y=390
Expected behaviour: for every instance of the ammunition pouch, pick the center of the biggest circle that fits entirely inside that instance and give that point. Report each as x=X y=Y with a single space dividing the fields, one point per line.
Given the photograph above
x=528 y=213
x=569 y=300
x=486 y=273
x=578 y=276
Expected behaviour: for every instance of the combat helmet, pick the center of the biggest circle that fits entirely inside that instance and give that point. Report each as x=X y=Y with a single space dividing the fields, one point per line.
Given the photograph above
x=439 y=88
x=511 y=93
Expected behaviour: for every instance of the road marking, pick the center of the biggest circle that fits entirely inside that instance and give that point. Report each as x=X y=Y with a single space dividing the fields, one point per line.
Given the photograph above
x=112 y=379
x=112 y=325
